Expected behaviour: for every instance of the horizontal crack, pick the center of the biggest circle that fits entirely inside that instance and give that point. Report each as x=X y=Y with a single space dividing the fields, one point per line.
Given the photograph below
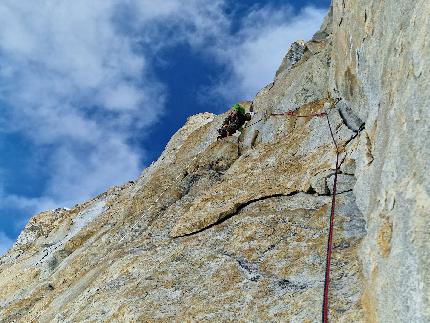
x=345 y=191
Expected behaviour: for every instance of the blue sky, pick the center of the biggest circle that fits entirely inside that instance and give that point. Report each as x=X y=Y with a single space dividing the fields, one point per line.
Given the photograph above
x=90 y=92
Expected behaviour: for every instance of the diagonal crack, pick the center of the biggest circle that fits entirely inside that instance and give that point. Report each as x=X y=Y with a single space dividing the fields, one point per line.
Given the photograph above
x=236 y=209
x=349 y=118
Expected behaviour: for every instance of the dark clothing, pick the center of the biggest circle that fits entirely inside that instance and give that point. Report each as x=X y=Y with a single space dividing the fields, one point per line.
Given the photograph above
x=233 y=122
x=235 y=119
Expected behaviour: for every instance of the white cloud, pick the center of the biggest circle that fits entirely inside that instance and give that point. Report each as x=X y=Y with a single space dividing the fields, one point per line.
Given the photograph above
x=26 y=204
x=257 y=51
x=123 y=97
x=5 y=243
x=72 y=175
x=71 y=80
x=75 y=76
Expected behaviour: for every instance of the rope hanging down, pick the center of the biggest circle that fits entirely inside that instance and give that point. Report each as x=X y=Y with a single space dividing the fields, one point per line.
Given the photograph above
x=330 y=234
x=325 y=308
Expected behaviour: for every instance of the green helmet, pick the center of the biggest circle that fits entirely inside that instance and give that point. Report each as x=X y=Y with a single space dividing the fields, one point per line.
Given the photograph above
x=237 y=107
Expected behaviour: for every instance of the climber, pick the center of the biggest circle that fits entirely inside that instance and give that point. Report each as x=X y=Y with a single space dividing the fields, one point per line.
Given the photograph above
x=234 y=121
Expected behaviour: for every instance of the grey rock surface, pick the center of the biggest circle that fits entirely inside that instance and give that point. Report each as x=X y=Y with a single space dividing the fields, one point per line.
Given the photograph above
x=295 y=54
x=236 y=230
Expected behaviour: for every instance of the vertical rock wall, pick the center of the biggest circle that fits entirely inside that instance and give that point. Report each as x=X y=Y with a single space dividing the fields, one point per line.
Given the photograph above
x=236 y=230
x=380 y=68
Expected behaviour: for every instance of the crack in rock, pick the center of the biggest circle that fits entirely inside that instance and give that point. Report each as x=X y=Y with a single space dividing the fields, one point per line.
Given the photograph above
x=232 y=212
x=349 y=118
x=250 y=270
x=235 y=210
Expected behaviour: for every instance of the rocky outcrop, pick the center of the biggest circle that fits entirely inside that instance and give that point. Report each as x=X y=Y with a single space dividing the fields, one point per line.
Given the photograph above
x=236 y=230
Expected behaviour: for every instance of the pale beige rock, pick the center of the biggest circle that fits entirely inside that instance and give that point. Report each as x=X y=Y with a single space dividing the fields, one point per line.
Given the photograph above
x=236 y=230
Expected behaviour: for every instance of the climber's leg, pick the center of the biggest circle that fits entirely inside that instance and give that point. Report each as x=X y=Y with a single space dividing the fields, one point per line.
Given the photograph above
x=232 y=128
x=223 y=132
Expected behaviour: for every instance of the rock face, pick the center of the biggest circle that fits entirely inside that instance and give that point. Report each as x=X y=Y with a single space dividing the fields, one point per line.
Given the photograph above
x=236 y=230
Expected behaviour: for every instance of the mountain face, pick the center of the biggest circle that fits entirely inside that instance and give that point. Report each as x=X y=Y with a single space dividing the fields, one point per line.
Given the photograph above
x=236 y=229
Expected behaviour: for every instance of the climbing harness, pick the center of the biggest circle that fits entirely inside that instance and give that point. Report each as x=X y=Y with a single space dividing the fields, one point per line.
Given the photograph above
x=325 y=307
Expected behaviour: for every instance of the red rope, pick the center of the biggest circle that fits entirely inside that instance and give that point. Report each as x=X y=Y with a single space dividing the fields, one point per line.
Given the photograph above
x=292 y=114
x=325 y=311
x=325 y=308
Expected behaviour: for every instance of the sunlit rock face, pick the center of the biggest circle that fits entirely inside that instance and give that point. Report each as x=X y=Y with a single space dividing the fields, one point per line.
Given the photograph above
x=236 y=229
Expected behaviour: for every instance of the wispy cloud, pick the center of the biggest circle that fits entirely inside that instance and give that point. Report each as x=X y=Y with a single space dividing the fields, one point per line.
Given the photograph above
x=5 y=243
x=75 y=76
x=256 y=51
x=71 y=80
